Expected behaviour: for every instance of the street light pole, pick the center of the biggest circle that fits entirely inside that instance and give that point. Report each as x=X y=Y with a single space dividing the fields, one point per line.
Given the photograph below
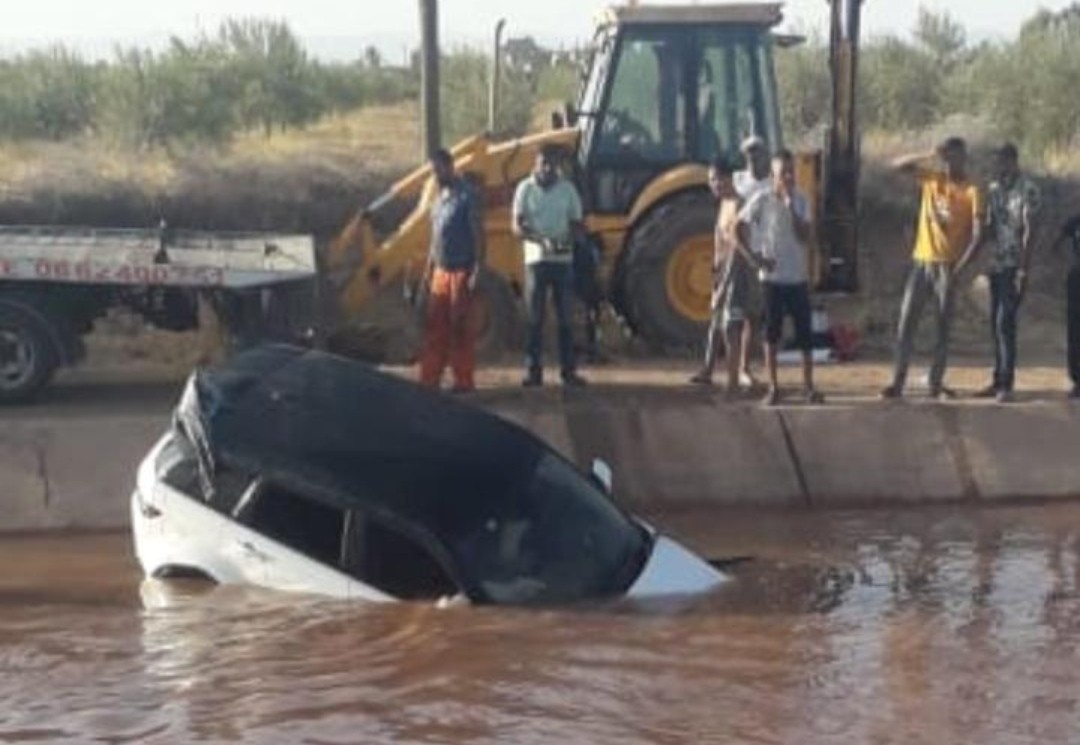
x=496 y=74
x=429 y=75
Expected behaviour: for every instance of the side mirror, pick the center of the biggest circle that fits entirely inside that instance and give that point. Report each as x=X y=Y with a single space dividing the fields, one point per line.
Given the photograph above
x=602 y=474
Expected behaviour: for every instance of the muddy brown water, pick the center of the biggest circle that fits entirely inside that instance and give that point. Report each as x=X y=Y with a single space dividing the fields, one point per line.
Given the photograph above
x=935 y=626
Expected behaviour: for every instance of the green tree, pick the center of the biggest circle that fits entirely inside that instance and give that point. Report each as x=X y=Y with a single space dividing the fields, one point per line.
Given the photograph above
x=465 y=96
x=804 y=87
x=274 y=73
x=49 y=94
x=1025 y=86
x=900 y=86
x=942 y=37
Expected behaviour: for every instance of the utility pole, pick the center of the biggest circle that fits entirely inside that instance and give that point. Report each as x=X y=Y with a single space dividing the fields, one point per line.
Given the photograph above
x=429 y=76
x=496 y=73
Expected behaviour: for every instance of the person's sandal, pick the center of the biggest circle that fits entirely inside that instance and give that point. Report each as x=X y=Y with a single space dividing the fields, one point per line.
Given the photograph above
x=772 y=398
x=814 y=397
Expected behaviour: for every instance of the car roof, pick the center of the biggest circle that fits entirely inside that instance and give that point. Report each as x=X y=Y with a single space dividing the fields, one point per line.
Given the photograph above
x=350 y=435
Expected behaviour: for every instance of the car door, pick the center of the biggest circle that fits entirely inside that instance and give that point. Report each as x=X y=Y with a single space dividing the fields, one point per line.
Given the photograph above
x=289 y=541
x=246 y=550
x=386 y=564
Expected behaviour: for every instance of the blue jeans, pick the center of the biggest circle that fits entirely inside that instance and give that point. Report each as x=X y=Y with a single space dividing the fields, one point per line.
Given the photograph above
x=924 y=282
x=1004 y=303
x=1073 y=296
x=559 y=278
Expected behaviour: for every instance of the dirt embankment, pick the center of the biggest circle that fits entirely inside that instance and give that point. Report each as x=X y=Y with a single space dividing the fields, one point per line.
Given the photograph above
x=312 y=181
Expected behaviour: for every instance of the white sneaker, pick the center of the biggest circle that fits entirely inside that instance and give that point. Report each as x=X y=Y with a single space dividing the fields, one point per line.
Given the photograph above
x=746 y=380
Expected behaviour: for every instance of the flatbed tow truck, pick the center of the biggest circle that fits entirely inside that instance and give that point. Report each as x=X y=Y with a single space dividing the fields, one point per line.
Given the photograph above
x=56 y=281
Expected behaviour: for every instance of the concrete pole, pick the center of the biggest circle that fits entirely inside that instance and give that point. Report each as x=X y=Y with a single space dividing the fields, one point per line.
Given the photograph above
x=429 y=76
x=496 y=74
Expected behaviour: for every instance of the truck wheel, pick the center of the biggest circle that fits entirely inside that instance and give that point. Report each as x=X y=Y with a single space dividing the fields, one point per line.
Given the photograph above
x=667 y=278
x=28 y=358
x=495 y=317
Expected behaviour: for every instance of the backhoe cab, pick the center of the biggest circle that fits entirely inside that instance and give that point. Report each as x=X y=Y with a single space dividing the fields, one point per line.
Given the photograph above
x=667 y=90
x=669 y=86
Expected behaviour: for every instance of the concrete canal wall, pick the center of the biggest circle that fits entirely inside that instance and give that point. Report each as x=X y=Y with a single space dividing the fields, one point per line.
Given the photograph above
x=683 y=448
x=670 y=448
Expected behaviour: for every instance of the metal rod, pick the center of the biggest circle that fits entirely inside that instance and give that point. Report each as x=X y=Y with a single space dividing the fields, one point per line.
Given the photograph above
x=496 y=74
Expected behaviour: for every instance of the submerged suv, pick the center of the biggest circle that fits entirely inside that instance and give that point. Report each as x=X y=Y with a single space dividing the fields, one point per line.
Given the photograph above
x=299 y=470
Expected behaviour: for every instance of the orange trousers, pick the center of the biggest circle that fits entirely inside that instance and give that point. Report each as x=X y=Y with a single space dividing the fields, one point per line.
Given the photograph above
x=448 y=336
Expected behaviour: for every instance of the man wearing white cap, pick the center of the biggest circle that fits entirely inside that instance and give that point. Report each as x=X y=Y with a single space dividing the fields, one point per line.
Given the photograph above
x=749 y=183
x=758 y=174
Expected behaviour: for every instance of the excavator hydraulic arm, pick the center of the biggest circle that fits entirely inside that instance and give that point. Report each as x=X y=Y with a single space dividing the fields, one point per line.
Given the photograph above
x=839 y=228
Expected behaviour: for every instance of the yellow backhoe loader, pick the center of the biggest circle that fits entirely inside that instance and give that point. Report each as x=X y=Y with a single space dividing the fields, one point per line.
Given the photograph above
x=668 y=88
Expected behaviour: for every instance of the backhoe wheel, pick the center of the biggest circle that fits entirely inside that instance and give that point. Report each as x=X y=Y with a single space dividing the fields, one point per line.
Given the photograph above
x=495 y=317
x=28 y=358
x=668 y=274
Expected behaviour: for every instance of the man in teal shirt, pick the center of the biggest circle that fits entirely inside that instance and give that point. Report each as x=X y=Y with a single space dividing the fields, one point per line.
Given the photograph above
x=547 y=216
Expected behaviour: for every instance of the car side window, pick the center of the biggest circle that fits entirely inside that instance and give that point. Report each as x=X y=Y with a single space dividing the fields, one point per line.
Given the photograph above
x=178 y=467
x=306 y=525
x=227 y=486
x=392 y=562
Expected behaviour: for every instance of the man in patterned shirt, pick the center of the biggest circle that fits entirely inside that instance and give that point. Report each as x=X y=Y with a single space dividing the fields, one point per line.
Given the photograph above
x=1012 y=202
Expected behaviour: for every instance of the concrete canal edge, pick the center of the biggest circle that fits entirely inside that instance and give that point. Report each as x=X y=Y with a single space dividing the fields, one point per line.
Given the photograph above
x=673 y=449
x=670 y=448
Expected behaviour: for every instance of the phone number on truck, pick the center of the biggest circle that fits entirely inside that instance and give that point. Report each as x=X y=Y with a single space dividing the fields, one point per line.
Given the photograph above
x=91 y=272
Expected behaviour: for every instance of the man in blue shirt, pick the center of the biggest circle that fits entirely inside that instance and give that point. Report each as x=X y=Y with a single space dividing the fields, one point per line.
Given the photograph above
x=457 y=252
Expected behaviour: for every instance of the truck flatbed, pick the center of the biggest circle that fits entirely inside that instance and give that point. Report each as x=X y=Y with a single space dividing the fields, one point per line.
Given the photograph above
x=153 y=257
x=55 y=281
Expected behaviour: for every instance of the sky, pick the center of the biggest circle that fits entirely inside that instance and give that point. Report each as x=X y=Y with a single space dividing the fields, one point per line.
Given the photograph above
x=334 y=29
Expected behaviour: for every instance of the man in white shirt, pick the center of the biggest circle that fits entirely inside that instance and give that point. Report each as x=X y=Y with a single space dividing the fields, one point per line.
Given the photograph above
x=781 y=219
x=547 y=216
x=755 y=179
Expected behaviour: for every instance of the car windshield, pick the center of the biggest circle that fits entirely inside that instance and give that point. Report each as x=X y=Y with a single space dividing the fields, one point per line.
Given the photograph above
x=558 y=540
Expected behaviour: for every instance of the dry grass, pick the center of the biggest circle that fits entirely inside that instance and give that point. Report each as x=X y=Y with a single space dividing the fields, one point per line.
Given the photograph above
x=305 y=180
x=385 y=137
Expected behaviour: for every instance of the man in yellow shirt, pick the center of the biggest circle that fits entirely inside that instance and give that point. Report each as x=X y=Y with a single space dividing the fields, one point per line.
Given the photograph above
x=949 y=230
